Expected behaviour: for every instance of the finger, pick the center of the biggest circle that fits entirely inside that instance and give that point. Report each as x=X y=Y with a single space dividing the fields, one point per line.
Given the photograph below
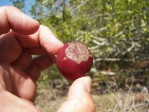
x=10 y=49
x=11 y=103
x=38 y=64
x=23 y=61
x=12 y=18
x=49 y=41
x=43 y=38
x=39 y=43
x=18 y=83
x=28 y=41
x=79 y=98
x=25 y=57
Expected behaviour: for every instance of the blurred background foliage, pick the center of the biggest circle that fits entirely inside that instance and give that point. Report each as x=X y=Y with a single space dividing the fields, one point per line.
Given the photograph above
x=116 y=32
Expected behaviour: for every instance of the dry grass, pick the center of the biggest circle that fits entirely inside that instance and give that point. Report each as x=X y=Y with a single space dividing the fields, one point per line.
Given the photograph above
x=50 y=101
x=120 y=102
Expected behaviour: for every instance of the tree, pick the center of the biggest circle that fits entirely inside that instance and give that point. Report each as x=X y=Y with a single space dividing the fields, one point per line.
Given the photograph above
x=116 y=31
x=18 y=3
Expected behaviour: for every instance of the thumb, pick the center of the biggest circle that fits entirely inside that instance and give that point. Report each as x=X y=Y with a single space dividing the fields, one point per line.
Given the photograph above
x=79 y=97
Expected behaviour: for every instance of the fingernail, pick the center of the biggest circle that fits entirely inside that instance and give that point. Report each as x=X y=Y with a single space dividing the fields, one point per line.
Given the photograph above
x=87 y=83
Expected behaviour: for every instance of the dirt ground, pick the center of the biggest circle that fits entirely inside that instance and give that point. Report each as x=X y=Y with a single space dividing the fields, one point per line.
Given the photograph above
x=51 y=100
x=48 y=101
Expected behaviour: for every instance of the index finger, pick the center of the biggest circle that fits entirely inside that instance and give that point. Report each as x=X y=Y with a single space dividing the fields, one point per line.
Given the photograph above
x=13 y=18
x=43 y=39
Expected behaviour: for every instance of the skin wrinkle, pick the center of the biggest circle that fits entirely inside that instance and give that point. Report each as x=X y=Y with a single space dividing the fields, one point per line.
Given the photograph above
x=38 y=36
x=8 y=41
x=83 y=104
x=19 y=82
x=23 y=24
x=49 y=41
x=86 y=105
x=33 y=40
x=37 y=67
x=17 y=38
x=7 y=25
x=12 y=25
x=39 y=42
x=85 y=91
x=82 y=101
x=19 y=64
x=37 y=51
x=2 y=84
x=6 y=77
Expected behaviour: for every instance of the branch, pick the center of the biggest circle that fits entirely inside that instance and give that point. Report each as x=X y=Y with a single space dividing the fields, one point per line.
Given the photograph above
x=121 y=59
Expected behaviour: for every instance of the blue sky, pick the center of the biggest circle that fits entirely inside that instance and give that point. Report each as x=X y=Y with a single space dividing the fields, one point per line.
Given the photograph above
x=28 y=4
x=5 y=2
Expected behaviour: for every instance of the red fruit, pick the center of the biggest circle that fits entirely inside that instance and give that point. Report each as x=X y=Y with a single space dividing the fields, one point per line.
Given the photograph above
x=74 y=60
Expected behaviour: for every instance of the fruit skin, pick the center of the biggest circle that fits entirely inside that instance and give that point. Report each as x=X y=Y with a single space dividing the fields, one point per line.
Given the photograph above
x=70 y=67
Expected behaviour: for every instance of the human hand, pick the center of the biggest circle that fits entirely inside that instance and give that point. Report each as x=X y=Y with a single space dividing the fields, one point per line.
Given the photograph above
x=20 y=38
x=79 y=97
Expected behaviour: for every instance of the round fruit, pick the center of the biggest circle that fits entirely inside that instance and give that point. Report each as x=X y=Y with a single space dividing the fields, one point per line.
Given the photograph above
x=74 y=60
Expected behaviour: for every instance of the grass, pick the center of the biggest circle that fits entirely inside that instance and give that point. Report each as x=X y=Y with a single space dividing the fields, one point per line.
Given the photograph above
x=120 y=102
x=50 y=100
